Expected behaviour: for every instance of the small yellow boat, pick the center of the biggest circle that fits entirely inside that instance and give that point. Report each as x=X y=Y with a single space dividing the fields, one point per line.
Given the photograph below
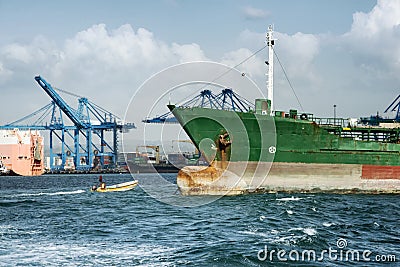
x=118 y=187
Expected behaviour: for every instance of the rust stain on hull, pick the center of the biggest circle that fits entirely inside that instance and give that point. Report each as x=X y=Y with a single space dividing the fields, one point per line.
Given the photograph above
x=209 y=181
x=289 y=177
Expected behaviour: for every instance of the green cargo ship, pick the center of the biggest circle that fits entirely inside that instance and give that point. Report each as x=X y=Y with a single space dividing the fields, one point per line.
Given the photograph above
x=269 y=151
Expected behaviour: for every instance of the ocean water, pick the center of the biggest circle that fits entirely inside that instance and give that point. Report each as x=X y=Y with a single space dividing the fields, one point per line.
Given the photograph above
x=55 y=221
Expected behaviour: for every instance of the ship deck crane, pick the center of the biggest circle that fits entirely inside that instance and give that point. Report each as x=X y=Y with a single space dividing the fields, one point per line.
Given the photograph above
x=89 y=121
x=226 y=100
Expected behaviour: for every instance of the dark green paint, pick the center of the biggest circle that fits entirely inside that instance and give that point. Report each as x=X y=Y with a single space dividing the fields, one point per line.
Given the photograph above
x=295 y=140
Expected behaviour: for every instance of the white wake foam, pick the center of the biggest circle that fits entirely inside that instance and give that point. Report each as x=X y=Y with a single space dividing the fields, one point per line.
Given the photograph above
x=307 y=230
x=292 y=198
x=328 y=224
x=51 y=193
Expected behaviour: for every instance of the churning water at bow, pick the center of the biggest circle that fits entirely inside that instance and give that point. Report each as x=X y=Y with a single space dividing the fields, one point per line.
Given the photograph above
x=54 y=220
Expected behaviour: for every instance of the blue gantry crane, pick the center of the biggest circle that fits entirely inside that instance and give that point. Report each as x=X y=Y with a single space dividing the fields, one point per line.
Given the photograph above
x=226 y=100
x=395 y=107
x=89 y=132
x=374 y=120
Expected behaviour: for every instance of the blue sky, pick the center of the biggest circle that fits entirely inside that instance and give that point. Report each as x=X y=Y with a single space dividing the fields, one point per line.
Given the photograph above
x=208 y=23
x=344 y=52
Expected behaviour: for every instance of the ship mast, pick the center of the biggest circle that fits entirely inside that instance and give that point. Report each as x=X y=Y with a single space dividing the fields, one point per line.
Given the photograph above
x=270 y=63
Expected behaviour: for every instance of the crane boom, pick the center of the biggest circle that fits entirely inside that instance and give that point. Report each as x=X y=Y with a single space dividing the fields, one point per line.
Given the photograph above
x=71 y=114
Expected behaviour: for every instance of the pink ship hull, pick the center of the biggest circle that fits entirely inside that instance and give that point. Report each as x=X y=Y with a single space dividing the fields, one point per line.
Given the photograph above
x=21 y=152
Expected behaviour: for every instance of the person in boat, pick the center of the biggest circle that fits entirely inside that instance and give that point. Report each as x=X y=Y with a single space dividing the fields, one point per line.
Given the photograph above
x=102 y=184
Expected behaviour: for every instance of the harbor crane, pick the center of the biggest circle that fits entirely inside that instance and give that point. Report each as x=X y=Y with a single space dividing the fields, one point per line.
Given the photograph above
x=226 y=100
x=395 y=107
x=90 y=122
x=376 y=119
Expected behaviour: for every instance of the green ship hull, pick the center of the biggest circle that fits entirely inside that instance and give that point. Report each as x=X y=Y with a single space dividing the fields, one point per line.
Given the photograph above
x=253 y=151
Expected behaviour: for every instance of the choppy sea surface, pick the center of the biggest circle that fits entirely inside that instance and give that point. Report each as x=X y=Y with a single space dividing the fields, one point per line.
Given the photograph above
x=56 y=221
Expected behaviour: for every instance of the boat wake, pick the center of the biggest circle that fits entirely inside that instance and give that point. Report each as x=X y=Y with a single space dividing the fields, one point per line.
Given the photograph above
x=286 y=237
x=289 y=198
x=51 y=193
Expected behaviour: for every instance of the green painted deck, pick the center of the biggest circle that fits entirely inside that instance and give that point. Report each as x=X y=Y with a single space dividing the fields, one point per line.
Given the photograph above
x=256 y=137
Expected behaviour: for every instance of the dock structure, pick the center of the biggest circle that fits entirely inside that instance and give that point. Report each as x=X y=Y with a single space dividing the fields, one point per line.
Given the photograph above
x=88 y=134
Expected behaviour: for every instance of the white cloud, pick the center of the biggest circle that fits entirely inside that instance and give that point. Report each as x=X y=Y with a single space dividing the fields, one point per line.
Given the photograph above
x=373 y=40
x=98 y=49
x=108 y=65
x=18 y=52
x=5 y=73
x=252 y=67
x=254 y=13
x=298 y=52
x=358 y=69
x=40 y=50
x=384 y=16
x=189 y=52
x=97 y=62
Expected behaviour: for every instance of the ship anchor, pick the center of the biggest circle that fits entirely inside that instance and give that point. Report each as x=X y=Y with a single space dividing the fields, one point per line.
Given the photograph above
x=224 y=142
